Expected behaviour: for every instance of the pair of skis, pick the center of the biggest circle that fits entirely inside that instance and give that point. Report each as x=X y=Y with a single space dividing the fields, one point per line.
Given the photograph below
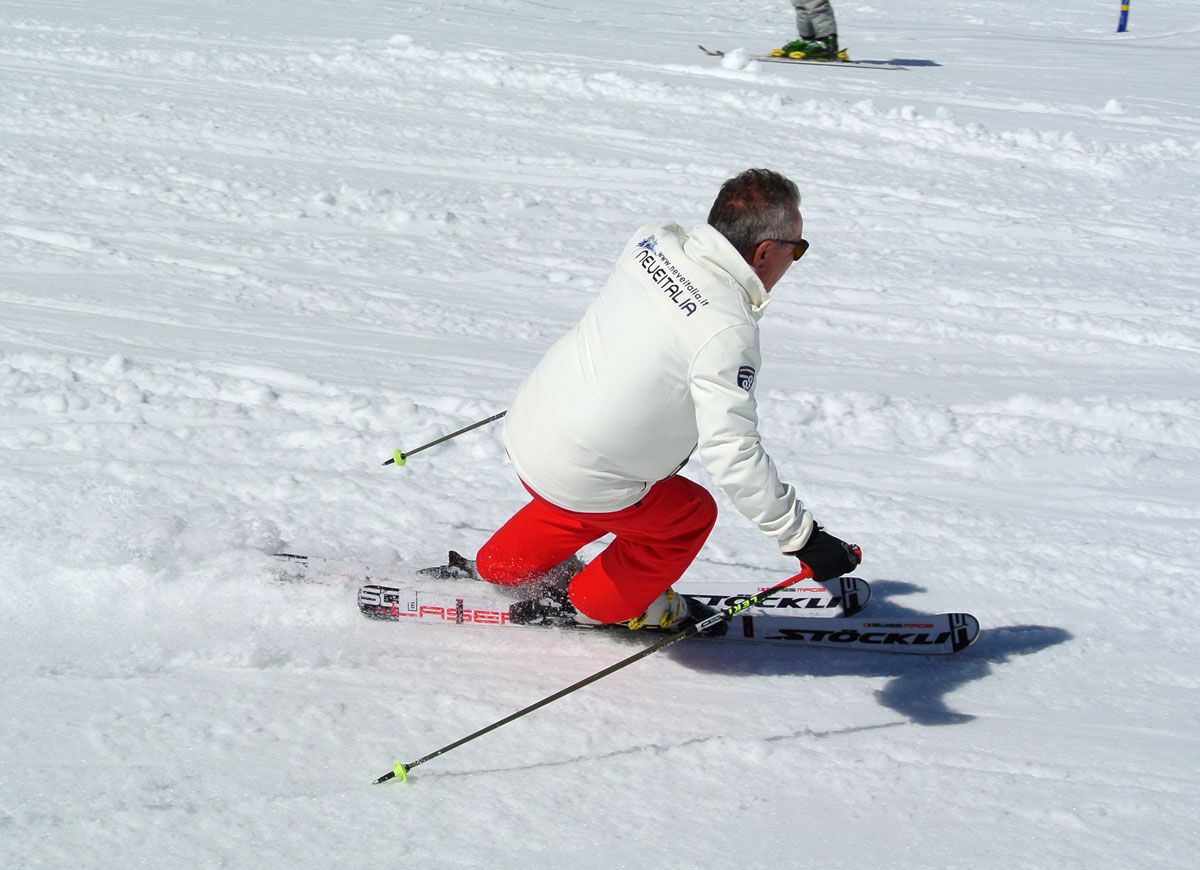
x=804 y=613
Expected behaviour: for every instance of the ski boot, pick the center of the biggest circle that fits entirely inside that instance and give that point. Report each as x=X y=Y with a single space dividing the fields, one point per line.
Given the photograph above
x=828 y=49
x=674 y=612
x=552 y=606
x=670 y=612
x=548 y=602
x=821 y=48
x=797 y=49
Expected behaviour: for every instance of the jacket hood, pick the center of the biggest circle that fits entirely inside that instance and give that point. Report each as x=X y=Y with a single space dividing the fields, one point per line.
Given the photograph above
x=707 y=246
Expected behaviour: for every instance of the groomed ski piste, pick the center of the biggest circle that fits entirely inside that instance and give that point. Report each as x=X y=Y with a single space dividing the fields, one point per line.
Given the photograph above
x=248 y=250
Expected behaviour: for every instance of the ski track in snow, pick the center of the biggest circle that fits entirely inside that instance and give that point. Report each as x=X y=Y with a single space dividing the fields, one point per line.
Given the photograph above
x=247 y=252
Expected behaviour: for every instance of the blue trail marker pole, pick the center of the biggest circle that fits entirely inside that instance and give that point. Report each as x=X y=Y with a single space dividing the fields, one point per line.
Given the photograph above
x=1124 y=20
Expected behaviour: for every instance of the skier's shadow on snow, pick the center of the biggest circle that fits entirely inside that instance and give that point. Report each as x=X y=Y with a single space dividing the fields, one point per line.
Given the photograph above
x=918 y=686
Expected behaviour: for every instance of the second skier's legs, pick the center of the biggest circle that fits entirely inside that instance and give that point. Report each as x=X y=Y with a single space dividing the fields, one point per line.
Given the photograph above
x=814 y=19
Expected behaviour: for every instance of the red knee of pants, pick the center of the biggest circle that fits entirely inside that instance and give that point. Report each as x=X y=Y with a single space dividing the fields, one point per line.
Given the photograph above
x=655 y=543
x=534 y=540
x=501 y=568
x=656 y=540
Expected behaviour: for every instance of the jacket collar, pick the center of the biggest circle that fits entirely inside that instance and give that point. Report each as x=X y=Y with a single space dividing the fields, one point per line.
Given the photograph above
x=708 y=247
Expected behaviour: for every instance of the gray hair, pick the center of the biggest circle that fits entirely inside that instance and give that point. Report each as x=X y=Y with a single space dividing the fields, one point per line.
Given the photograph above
x=755 y=205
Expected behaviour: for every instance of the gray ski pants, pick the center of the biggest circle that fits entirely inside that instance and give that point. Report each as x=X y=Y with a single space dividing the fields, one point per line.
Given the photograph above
x=814 y=18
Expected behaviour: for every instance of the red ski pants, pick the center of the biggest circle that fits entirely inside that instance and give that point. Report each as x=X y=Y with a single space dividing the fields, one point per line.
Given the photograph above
x=656 y=540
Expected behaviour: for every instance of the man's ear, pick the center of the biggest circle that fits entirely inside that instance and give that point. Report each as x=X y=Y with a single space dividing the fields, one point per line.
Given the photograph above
x=759 y=255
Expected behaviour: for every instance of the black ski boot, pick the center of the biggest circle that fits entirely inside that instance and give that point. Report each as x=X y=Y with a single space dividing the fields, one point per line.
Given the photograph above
x=698 y=611
x=552 y=606
x=672 y=612
x=831 y=45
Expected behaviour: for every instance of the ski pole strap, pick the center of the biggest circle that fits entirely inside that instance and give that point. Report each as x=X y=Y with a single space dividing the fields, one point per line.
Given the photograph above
x=399 y=456
x=400 y=770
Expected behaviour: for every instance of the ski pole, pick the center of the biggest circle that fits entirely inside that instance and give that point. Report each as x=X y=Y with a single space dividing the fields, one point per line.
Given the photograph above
x=399 y=456
x=1123 y=21
x=400 y=771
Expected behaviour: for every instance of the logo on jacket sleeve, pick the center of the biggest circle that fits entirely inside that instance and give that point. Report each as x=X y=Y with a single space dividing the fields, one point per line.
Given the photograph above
x=650 y=243
x=746 y=378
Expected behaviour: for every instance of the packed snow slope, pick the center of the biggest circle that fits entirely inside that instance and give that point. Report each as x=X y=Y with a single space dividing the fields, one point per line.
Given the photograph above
x=248 y=249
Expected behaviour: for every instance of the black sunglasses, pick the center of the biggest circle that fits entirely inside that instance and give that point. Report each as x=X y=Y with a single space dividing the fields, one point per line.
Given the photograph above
x=801 y=246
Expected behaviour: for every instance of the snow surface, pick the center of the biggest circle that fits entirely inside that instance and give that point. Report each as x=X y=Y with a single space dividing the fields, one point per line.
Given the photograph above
x=248 y=249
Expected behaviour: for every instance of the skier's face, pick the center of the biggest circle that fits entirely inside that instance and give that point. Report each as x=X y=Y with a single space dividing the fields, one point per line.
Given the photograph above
x=773 y=257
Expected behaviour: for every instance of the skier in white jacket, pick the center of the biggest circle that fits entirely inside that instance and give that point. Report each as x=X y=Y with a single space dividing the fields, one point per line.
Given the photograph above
x=662 y=363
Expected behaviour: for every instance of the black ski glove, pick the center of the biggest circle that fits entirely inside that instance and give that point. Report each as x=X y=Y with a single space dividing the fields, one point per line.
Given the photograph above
x=826 y=556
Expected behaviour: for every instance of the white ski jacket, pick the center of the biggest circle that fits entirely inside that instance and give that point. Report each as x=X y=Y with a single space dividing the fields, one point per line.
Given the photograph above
x=663 y=362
